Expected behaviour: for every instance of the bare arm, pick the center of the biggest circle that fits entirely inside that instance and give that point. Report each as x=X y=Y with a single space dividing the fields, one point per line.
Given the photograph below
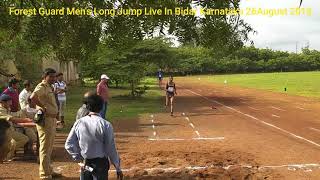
x=175 y=89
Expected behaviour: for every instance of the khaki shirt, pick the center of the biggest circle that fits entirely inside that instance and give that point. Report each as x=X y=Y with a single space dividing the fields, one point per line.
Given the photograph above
x=46 y=96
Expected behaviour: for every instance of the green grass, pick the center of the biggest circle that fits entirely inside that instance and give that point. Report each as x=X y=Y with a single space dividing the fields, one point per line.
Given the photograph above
x=121 y=105
x=297 y=83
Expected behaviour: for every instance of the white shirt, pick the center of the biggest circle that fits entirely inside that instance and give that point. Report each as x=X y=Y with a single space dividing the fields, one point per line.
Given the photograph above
x=60 y=85
x=92 y=137
x=23 y=98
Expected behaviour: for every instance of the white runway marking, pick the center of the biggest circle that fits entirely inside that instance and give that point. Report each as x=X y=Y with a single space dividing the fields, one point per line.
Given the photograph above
x=198 y=133
x=208 y=138
x=273 y=115
x=191 y=125
x=187 y=119
x=60 y=168
x=304 y=167
x=153 y=126
x=277 y=108
x=253 y=108
x=243 y=102
x=317 y=130
x=300 y=108
x=263 y=122
x=182 y=139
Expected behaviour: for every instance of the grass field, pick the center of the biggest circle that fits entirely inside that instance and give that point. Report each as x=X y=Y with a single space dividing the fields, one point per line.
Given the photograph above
x=121 y=105
x=297 y=83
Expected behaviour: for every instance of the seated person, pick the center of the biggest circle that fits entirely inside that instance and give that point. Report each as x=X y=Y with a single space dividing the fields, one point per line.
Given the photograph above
x=5 y=139
x=30 y=112
x=18 y=139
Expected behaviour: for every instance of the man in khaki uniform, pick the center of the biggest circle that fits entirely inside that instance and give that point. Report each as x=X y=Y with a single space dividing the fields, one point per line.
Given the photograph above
x=5 y=139
x=43 y=96
x=13 y=138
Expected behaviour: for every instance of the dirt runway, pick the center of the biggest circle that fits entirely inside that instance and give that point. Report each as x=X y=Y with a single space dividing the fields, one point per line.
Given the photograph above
x=217 y=132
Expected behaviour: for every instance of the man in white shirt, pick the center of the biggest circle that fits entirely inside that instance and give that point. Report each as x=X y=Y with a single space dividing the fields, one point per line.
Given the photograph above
x=24 y=104
x=60 y=88
x=25 y=94
x=91 y=140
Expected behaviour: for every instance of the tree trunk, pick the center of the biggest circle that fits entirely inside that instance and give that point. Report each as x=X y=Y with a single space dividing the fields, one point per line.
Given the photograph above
x=132 y=88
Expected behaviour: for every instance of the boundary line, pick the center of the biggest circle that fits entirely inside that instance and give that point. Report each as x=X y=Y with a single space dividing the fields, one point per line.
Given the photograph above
x=317 y=130
x=273 y=115
x=263 y=122
x=290 y=167
x=181 y=139
x=273 y=107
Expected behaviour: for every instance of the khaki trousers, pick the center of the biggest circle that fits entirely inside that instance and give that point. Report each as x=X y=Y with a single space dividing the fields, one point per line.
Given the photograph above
x=31 y=133
x=46 y=139
x=19 y=138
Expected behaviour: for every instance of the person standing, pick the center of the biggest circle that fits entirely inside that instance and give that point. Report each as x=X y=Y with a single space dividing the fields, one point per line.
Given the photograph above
x=83 y=110
x=44 y=98
x=13 y=92
x=91 y=140
x=103 y=91
x=60 y=88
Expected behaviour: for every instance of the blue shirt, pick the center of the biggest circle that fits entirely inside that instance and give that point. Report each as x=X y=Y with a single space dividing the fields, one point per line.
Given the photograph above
x=159 y=74
x=92 y=137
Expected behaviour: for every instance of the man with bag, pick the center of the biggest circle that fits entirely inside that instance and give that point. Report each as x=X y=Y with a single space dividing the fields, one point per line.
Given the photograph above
x=91 y=140
x=44 y=98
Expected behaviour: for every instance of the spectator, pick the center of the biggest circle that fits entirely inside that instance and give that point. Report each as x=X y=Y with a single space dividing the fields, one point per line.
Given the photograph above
x=24 y=96
x=60 y=88
x=91 y=140
x=83 y=111
x=13 y=92
x=18 y=139
x=103 y=91
x=44 y=98
x=5 y=139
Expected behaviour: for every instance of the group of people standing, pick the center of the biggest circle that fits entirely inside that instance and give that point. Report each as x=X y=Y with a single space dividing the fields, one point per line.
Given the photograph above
x=38 y=112
x=91 y=139
x=19 y=111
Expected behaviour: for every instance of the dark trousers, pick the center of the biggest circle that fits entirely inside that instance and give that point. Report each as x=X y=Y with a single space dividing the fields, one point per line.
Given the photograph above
x=100 y=169
x=104 y=109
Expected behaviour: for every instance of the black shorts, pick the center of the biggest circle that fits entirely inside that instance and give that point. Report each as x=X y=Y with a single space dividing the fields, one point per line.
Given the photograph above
x=170 y=94
x=160 y=78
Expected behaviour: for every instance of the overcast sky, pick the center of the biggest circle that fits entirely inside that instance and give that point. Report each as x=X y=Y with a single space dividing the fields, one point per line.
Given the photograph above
x=283 y=32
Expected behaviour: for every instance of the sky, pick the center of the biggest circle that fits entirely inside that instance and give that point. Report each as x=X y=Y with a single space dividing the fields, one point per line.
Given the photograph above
x=284 y=32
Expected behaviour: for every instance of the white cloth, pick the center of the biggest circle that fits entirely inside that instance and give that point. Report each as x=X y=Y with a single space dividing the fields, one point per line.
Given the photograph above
x=23 y=98
x=60 y=86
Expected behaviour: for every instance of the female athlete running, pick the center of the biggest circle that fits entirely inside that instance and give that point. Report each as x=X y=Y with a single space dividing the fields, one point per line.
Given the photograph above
x=170 y=92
